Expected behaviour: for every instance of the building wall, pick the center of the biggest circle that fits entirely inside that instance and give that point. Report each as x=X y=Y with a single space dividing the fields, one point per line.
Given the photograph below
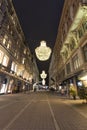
x=70 y=54
x=16 y=58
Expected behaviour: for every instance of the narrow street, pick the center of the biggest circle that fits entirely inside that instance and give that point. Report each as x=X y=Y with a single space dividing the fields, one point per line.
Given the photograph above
x=38 y=111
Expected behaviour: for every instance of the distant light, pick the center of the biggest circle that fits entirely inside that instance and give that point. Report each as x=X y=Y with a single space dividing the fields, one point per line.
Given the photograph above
x=43 y=52
x=43 y=82
x=43 y=75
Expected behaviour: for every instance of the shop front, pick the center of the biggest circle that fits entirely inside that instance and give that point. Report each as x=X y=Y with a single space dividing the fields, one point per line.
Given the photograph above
x=4 y=80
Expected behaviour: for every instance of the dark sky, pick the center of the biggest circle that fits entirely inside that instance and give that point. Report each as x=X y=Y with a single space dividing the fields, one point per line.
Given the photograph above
x=39 y=20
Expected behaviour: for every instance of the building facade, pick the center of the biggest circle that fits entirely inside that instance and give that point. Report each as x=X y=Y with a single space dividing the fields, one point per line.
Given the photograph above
x=16 y=67
x=70 y=51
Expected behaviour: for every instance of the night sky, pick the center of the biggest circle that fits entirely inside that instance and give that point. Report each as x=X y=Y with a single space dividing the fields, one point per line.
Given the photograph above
x=39 y=20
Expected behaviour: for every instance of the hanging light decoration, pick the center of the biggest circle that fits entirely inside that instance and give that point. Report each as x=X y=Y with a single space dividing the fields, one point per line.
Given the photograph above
x=43 y=52
x=43 y=82
x=43 y=75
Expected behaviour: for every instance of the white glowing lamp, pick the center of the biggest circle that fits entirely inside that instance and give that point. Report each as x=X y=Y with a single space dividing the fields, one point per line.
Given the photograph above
x=43 y=82
x=43 y=75
x=43 y=52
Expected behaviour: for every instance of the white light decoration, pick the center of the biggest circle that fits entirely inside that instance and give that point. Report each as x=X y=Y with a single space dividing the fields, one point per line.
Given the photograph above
x=43 y=75
x=43 y=52
x=43 y=82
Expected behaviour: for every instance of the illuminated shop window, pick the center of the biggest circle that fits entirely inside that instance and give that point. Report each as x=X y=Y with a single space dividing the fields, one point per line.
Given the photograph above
x=5 y=60
x=1 y=56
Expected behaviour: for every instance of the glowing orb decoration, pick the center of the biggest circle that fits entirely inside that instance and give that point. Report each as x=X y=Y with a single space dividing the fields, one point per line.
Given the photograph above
x=43 y=52
x=43 y=75
x=43 y=82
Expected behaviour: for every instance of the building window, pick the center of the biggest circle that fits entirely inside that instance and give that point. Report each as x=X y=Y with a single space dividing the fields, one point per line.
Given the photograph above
x=66 y=27
x=23 y=60
x=25 y=51
x=80 y=32
x=72 y=45
x=0 y=3
x=85 y=52
x=8 y=27
x=13 y=66
x=71 y=12
x=68 y=68
x=76 y=62
x=62 y=38
x=15 y=54
x=16 y=68
x=8 y=46
x=11 y=32
x=63 y=73
x=17 y=42
x=84 y=25
x=1 y=56
x=84 y=1
x=5 y=39
x=1 y=17
x=5 y=61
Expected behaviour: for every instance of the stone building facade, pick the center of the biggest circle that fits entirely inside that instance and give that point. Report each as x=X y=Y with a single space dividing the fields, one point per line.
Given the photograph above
x=16 y=67
x=69 y=62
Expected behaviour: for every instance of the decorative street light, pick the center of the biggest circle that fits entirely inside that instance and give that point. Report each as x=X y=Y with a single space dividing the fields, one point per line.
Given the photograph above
x=43 y=75
x=43 y=52
x=43 y=81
